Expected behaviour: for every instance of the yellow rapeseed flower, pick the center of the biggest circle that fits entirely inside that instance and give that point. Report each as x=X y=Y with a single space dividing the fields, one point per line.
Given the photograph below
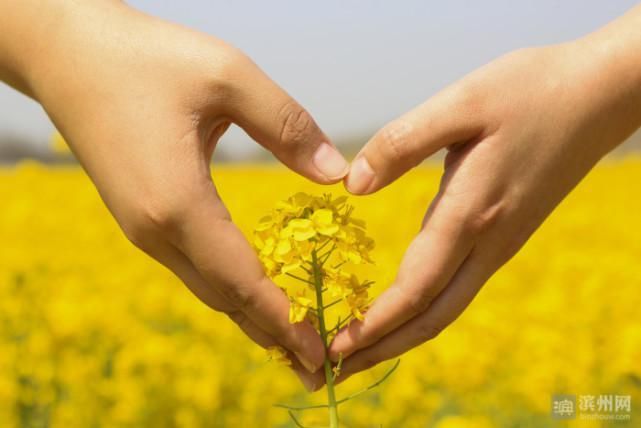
x=306 y=226
x=298 y=308
x=79 y=346
x=278 y=354
x=314 y=240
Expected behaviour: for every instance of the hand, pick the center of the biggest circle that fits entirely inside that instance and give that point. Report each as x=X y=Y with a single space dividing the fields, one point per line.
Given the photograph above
x=521 y=133
x=142 y=104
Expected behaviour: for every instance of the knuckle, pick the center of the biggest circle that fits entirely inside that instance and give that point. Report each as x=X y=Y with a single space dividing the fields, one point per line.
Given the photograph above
x=150 y=219
x=229 y=77
x=418 y=301
x=481 y=220
x=161 y=215
x=296 y=126
x=138 y=237
x=239 y=318
x=427 y=331
x=467 y=97
x=241 y=299
x=363 y=337
x=395 y=143
x=230 y=61
x=421 y=300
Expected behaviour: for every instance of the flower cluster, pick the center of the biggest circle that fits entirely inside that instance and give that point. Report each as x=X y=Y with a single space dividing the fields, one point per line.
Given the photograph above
x=304 y=231
x=313 y=240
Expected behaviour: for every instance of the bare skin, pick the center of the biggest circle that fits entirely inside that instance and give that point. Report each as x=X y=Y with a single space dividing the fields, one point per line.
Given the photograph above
x=521 y=133
x=142 y=103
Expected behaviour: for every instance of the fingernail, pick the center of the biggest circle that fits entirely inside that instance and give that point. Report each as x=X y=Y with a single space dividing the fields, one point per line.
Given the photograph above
x=308 y=382
x=330 y=162
x=360 y=177
x=306 y=363
x=331 y=352
x=335 y=356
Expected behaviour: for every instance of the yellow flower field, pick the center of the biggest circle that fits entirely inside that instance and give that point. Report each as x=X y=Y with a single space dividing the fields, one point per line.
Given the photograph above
x=93 y=333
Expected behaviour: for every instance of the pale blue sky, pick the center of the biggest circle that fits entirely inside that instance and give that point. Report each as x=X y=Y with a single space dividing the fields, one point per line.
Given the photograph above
x=356 y=64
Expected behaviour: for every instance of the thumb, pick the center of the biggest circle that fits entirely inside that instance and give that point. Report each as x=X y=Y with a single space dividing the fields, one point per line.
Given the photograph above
x=281 y=125
x=447 y=118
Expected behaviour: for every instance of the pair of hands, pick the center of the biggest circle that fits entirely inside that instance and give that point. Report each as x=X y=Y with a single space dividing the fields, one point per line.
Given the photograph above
x=143 y=102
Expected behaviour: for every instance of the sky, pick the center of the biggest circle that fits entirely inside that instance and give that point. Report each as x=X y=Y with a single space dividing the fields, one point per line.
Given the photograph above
x=355 y=65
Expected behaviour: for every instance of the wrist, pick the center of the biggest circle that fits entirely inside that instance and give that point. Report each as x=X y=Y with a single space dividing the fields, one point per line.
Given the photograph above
x=43 y=40
x=22 y=40
x=74 y=46
x=607 y=64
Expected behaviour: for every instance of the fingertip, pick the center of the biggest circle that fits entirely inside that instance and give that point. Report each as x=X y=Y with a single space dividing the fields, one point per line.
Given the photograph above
x=333 y=354
x=344 y=343
x=361 y=177
x=347 y=371
x=310 y=381
x=334 y=351
x=330 y=163
x=308 y=364
x=311 y=352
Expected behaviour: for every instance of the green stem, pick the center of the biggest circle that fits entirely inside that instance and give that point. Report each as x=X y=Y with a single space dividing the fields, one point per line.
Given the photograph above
x=329 y=305
x=329 y=379
x=372 y=386
x=349 y=397
x=340 y=324
x=300 y=279
x=323 y=259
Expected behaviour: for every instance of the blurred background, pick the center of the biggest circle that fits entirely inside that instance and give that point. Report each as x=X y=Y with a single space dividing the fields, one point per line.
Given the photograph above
x=94 y=333
x=354 y=65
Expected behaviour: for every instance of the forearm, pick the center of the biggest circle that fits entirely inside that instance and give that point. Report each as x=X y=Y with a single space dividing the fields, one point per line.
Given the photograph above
x=32 y=34
x=621 y=41
x=612 y=62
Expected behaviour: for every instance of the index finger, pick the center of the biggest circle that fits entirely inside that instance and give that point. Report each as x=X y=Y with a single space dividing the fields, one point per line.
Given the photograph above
x=280 y=124
x=430 y=262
